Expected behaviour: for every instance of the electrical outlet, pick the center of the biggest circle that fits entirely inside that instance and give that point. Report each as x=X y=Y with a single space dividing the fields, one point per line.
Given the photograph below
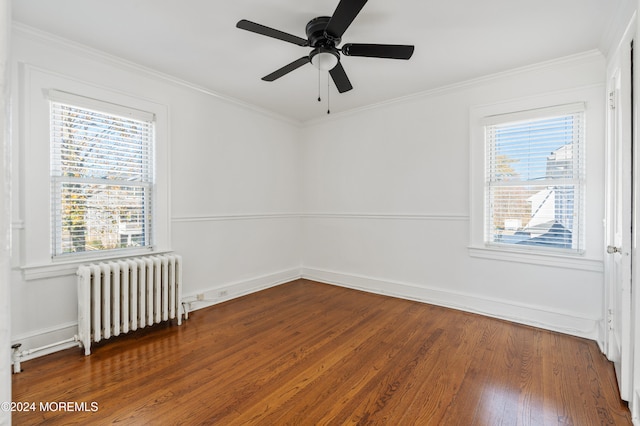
x=200 y=296
x=223 y=293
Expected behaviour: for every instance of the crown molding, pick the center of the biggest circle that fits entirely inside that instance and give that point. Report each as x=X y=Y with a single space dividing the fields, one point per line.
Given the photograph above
x=587 y=56
x=45 y=37
x=37 y=35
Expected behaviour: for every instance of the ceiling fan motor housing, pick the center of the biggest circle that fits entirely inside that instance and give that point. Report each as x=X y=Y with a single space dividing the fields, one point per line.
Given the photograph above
x=316 y=34
x=325 y=55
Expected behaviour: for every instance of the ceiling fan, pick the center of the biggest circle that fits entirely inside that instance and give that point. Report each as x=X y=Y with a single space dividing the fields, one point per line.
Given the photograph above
x=324 y=34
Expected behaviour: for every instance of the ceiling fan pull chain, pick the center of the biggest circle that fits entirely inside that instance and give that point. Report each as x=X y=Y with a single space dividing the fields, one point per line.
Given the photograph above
x=328 y=96
x=319 y=100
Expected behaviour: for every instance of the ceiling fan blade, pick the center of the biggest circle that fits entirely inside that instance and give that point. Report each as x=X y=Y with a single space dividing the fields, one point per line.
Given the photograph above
x=270 y=32
x=391 y=51
x=286 y=69
x=340 y=78
x=343 y=16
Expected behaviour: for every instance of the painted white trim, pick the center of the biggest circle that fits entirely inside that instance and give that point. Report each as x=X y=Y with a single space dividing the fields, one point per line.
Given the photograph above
x=227 y=217
x=43 y=36
x=334 y=215
x=463 y=85
x=232 y=290
x=537 y=258
x=531 y=315
x=536 y=316
x=588 y=259
x=35 y=108
x=37 y=338
x=112 y=60
x=554 y=260
x=67 y=268
x=635 y=416
x=63 y=268
x=620 y=275
x=388 y=216
x=601 y=332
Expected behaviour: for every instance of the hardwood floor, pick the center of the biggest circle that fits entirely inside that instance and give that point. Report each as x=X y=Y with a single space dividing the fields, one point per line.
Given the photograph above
x=306 y=353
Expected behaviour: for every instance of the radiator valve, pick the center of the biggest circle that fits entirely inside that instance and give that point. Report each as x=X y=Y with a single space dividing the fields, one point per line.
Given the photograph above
x=16 y=357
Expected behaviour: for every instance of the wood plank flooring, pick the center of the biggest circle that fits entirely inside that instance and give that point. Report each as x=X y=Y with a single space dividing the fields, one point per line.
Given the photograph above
x=306 y=353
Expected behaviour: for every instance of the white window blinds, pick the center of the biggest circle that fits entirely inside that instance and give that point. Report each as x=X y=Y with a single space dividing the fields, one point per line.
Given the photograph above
x=534 y=179
x=101 y=178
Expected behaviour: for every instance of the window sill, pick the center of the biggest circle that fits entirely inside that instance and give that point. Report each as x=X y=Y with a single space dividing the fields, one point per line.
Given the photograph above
x=69 y=267
x=553 y=260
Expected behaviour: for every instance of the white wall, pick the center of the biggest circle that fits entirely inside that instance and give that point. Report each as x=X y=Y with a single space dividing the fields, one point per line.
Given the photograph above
x=386 y=202
x=5 y=213
x=384 y=196
x=232 y=183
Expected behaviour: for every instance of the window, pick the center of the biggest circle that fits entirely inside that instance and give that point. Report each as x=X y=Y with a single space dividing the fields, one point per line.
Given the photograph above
x=534 y=179
x=102 y=177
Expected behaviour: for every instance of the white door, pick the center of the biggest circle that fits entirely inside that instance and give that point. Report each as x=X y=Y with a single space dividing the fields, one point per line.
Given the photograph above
x=618 y=219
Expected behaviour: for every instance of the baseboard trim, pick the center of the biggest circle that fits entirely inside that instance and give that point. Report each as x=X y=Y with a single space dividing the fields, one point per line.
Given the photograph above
x=62 y=332
x=601 y=334
x=635 y=408
x=47 y=336
x=515 y=312
x=519 y=313
x=232 y=290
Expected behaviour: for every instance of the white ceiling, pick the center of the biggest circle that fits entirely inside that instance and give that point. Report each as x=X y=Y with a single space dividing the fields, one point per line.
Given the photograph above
x=455 y=40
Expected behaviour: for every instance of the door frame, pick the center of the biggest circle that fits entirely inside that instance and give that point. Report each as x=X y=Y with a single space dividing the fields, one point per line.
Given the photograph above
x=634 y=401
x=620 y=211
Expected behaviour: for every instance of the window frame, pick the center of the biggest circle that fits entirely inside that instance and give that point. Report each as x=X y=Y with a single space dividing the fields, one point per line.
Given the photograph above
x=32 y=248
x=588 y=259
x=578 y=179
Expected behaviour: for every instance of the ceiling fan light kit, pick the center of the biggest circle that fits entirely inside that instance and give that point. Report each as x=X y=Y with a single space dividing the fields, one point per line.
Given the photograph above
x=324 y=35
x=324 y=59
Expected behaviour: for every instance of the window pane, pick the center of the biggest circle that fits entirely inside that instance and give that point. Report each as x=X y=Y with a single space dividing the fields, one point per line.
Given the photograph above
x=540 y=149
x=102 y=217
x=101 y=180
x=534 y=186
x=533 y=215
